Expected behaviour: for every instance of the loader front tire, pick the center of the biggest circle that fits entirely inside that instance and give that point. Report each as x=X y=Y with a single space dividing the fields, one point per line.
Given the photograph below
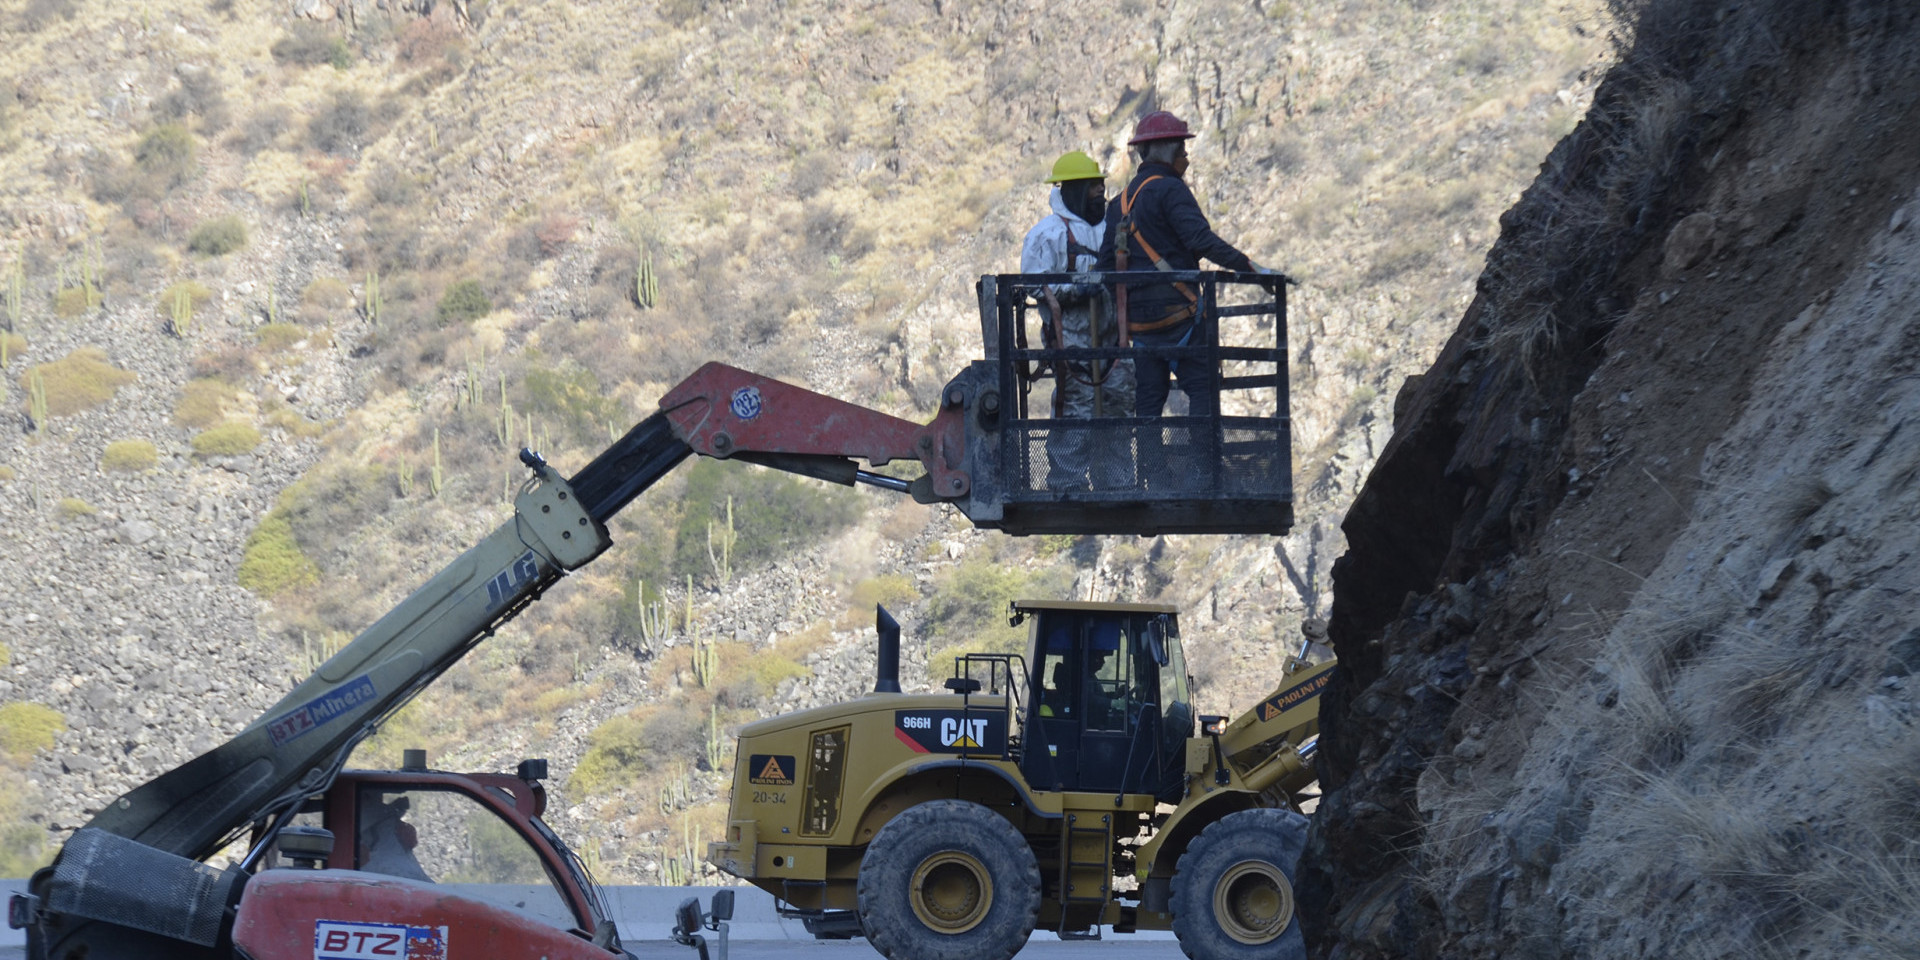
x=1233 y=888
x=948 y=880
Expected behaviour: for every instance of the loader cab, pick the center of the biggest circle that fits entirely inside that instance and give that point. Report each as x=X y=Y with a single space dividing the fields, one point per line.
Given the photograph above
x=1109 y=709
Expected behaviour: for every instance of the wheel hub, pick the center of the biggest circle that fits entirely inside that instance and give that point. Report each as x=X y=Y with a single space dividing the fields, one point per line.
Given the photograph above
x=1253 y=901
x=951 y=892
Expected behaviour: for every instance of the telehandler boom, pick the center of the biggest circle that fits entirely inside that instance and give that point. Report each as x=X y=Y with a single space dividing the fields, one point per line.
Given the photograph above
x=133 y=882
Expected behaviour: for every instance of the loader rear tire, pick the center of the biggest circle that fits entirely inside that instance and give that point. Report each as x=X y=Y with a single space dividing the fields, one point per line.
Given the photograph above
x=1233 y=888
x=948 y=880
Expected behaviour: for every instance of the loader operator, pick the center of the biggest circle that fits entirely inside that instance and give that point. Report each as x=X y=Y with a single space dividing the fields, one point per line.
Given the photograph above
x=1067 y=241
x=1156 y=224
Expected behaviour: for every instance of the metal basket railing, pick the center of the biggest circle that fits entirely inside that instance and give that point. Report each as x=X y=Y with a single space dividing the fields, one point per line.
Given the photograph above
x=1220 y=466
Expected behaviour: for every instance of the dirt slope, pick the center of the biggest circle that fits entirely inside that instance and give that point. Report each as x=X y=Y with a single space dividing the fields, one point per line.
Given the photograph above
x=1625 y=622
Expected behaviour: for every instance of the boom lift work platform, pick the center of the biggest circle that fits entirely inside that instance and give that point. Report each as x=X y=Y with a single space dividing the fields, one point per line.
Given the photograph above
x=134 y=881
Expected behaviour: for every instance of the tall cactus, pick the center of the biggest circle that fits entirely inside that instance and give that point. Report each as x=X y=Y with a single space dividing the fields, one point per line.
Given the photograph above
x=504 y=429
x=16 y=293
x=472 y=393
x=436 y=480
x=716 y=740
x=655 y=620
x=37 y=401
x=182 y=312
x=406 y=479
x=706 y=662
x=374 y=304
x=646 y=286
x=720 y=547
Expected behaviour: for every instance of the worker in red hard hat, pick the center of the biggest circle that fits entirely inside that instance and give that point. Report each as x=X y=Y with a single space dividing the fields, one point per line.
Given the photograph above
x=1067 y=240
x=1156 y=224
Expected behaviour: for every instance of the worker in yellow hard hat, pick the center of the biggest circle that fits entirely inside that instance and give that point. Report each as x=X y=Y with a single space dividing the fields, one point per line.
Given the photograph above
x=1067 y=240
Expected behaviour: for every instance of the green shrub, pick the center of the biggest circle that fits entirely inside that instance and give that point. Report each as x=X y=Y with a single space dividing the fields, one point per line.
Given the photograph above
x=197 y=297
x=219 y=236
x=230 y=439
x=341 y=125
x=575 y=399
x=328 y=293
x=28 y=728
x=165 y=154
x=968 y=607
x=754 y=681
x=309 y=45
x=891 y=590
x=129 y=456
x=276 y=337
x=325 y=507
x=71 y=302
x=70 y=508
x=773 y=513
x=273 y=562
x=465 y=300
x=628 y=744
x=203 y=403
x=79 y=381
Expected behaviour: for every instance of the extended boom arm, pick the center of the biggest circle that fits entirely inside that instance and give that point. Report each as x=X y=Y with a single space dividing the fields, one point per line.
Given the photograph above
x=294 y=749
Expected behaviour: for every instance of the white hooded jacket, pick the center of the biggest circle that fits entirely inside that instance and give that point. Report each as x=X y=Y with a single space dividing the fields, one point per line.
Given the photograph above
x=1045 y=249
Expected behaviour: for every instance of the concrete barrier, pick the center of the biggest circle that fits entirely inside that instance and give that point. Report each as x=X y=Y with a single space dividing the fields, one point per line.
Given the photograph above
x=646 y=913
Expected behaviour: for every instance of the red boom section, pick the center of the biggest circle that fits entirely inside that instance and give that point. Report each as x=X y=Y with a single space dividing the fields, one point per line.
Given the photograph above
x=721 y=411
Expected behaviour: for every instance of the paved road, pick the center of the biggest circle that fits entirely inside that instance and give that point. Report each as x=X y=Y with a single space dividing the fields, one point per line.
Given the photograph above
x=1116 y=948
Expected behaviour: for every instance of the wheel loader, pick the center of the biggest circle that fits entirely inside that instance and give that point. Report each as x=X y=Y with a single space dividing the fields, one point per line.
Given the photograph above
x=1067 y=789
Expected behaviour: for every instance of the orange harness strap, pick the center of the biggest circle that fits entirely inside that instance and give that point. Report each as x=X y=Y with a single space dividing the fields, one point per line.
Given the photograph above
x=1159 y=263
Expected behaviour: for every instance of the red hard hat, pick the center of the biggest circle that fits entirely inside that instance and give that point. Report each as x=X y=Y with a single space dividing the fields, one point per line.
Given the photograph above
x=1160 y=125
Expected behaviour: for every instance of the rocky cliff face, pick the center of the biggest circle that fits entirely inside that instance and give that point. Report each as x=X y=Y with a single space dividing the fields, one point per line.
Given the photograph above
x=1625 y=622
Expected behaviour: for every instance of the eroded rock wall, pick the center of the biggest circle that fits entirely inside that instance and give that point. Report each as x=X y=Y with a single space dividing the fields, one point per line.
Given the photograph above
x=1624 y=618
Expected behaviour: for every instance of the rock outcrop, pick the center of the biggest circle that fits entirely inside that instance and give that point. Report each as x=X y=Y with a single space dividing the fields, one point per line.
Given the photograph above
x=1621 y=619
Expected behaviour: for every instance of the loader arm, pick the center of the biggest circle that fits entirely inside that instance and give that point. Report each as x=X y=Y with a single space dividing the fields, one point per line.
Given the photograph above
x=1291 y=711
x=295 y=748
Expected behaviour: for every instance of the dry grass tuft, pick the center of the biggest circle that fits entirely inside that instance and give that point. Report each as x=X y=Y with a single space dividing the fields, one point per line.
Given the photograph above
x=79 y=381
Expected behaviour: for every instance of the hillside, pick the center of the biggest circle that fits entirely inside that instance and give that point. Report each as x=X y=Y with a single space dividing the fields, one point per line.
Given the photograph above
x=339 y=261
x=1625 y=623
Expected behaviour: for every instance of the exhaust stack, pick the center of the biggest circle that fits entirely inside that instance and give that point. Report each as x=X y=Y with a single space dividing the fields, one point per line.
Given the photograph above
x=888 y=680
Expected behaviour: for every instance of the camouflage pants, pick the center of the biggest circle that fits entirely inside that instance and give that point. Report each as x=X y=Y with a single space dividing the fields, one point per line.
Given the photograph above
x=1103 y=389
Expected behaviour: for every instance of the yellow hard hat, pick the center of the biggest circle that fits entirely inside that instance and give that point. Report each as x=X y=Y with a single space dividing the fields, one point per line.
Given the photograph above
x=1075 y=166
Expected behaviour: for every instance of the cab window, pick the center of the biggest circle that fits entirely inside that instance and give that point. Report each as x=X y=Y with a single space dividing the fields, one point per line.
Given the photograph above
x=1055 y=661
x=449 y=838
x=1110 y=653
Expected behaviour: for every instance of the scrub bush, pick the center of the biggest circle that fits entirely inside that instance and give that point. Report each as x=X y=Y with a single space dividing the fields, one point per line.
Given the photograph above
x=464 y=301
x=219 y=236
x=273 y=562
x=129 y=456
x=81 y=380
x=230 y=439
x=28 y=728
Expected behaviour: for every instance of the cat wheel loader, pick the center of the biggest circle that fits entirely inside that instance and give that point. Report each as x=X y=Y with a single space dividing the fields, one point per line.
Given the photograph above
x=138 y=882
x=949 y=826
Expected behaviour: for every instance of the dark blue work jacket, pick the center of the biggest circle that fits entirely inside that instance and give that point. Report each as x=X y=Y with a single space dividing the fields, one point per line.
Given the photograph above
x=1167 y=217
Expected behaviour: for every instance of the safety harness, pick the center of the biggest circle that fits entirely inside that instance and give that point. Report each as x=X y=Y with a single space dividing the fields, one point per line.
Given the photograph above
x=1095 y=376
x=1128 y=229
